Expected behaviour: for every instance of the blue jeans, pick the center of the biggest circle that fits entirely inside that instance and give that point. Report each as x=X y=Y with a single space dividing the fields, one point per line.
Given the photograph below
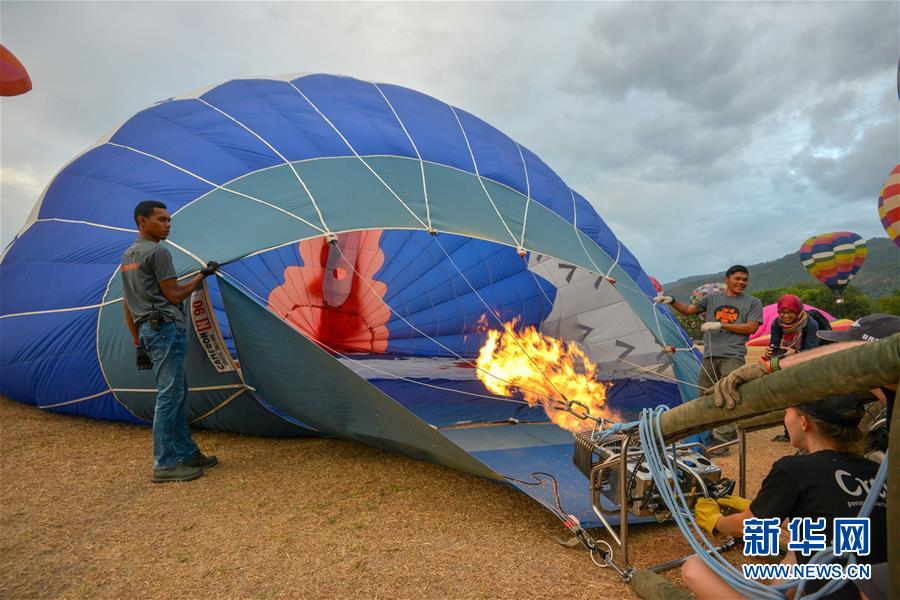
x=172 y=441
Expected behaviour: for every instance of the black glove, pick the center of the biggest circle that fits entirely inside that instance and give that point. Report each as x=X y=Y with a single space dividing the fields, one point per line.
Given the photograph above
x=209 y=269
x=143 y=361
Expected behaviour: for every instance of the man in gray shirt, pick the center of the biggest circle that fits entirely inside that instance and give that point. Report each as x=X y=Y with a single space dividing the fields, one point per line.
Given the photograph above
x=152 y=305
x=731 y=318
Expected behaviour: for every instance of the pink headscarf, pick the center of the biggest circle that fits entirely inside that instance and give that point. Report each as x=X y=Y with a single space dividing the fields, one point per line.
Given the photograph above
x=792 y=337
x=790 y=302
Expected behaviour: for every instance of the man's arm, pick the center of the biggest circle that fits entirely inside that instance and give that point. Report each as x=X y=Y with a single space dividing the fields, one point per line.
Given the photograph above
x=685 y=309
x=129 y=320
x=176 y=292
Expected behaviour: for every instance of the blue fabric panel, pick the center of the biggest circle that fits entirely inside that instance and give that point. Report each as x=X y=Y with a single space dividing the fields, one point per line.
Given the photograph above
x=442 y=408
x=104 y=185
x=629 y=396
x=72 y=271
x=432 y=127
x=359 y=112
x=547 y=187
x=595 y=227
x=86 y=285
x=496 y=154
x=264 y=272
x=197 y=138
x=50 y=358
x=276 y=112
x=426 y=289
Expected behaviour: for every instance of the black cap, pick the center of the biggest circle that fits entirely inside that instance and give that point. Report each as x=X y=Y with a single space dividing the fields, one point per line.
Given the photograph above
x=845 y=410
x=868 y=329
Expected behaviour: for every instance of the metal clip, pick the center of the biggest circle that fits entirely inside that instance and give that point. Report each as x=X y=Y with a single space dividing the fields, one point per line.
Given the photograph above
x=583 y=416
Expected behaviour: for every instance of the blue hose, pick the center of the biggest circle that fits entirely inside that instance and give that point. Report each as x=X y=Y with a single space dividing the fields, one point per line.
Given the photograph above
x=650 y=429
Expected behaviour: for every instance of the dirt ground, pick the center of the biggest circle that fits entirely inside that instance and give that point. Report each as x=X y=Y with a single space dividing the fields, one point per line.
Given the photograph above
x=304 y=518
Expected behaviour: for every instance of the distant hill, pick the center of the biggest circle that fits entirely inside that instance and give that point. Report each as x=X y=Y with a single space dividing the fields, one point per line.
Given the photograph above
x=879 y=276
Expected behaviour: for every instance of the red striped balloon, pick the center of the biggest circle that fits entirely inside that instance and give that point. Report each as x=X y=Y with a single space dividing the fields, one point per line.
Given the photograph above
x=889 y=205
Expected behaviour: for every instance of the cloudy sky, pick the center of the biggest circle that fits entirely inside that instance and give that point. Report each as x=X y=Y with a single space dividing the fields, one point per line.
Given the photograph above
x=703 y=133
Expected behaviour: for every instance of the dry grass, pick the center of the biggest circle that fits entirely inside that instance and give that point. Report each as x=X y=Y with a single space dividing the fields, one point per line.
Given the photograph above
x=314 y=518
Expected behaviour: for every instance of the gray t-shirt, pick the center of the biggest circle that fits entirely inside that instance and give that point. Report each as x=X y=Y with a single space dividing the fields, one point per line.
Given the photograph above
x=732 y=310
x=144 y=265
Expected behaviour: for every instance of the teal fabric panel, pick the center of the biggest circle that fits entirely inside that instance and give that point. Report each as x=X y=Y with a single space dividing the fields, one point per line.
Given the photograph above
x=348 y=193
x=404 y=177
x=459 y=205
x=300 y=379
x=281 y=187
x=223 y=226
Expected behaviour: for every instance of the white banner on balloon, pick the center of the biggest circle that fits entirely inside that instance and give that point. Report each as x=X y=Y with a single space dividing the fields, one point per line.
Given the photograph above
x=208 y=333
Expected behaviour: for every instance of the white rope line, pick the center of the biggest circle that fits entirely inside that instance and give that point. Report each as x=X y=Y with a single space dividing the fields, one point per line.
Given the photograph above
x=223 y=404
x=86 y=398
x=416 y=148
x=478 y=175
x=208 y=388
x=59 y=310
x=371 y=368
x=527 y=195
x=216 y=187
x=57 y=220
x=437 y=342
x=361 y=159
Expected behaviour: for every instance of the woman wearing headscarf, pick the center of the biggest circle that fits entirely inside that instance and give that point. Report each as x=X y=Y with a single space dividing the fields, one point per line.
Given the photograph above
x=793 y=330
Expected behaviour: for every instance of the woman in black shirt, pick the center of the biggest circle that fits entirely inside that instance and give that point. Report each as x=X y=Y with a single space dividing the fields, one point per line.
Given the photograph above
x=830 y=481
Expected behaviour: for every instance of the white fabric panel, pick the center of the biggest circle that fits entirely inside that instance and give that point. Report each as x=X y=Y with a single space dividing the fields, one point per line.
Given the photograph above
x=590 y=311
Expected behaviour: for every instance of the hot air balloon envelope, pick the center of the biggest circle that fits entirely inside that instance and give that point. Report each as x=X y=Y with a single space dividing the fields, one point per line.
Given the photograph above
x=372 y=236
x=14 y=79
x=834 y=258
x=889 y=205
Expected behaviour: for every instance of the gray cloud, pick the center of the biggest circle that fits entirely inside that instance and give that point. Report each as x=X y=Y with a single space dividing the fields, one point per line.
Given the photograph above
x=692 y=127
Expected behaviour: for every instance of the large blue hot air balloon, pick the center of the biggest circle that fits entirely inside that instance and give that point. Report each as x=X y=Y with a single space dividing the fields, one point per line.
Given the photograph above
x=371 y=235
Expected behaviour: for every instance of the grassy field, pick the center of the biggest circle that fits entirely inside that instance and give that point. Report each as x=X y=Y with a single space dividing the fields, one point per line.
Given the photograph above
x=310 y=518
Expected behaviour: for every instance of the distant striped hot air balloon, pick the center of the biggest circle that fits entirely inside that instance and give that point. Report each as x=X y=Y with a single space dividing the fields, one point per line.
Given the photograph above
x=834 y=258
x=889 y=205
x=705 y=290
